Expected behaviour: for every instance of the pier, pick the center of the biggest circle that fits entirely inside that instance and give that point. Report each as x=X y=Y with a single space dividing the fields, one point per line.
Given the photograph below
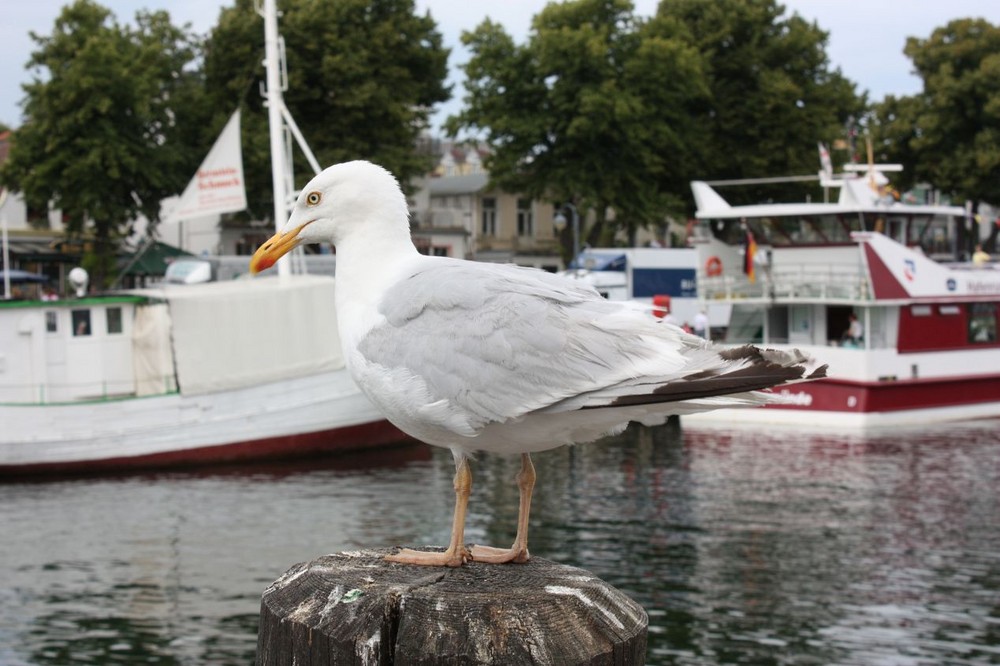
x=357 y=608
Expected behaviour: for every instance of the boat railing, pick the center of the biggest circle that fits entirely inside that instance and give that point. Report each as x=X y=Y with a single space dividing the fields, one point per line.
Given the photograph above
x=68 y=393
x=795 y=282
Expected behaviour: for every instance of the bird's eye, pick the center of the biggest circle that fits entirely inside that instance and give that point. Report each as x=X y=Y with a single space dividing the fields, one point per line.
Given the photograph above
x=313 y=198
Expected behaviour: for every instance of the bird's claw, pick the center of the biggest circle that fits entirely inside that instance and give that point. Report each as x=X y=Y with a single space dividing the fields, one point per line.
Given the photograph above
x=490 y=555
x=448 y=558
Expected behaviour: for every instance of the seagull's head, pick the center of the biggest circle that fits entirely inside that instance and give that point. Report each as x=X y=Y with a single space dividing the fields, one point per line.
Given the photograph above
x=344 y=200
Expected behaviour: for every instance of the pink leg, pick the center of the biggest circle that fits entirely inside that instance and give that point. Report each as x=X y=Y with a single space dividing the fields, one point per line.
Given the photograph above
x=456 y=554
x=519 y=551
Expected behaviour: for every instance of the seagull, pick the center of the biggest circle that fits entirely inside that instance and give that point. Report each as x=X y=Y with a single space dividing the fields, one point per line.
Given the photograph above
x=480 y=357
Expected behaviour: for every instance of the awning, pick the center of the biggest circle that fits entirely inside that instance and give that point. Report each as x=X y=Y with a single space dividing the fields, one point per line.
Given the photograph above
x=45 y=250
x=152 y=259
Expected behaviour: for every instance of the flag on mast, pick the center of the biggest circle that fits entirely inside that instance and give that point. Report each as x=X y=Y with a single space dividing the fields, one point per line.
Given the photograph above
x=218 y=186
x=825 y=164
x=749 y=253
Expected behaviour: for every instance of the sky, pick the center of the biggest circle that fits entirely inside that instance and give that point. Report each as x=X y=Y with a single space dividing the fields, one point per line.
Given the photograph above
x=866 y=36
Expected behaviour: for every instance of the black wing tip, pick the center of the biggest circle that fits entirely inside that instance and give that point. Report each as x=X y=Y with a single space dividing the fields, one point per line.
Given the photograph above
x=766 y=357
x=819 y=373
x=761 y=369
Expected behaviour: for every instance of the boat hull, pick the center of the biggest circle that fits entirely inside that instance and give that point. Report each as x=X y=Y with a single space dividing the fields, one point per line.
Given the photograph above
x=874 y=404
x=299 y=417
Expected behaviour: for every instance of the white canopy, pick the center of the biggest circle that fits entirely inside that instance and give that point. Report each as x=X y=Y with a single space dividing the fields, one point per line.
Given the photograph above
x=233 y=334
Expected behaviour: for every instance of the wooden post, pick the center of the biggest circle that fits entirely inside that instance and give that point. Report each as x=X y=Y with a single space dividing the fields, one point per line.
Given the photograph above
x=356 y=608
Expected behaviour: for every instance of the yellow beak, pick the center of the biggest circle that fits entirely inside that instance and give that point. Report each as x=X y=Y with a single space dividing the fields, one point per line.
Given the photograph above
x=275 y=248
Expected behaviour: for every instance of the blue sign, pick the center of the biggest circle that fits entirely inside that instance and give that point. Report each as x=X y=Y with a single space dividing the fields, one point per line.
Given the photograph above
x=677 y=282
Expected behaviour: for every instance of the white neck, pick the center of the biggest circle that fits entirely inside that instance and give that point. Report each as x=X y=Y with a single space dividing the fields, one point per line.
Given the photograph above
x=366 y=267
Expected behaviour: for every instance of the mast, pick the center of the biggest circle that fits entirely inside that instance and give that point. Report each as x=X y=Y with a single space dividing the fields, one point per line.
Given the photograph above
x=275 y=103
x=279 y=120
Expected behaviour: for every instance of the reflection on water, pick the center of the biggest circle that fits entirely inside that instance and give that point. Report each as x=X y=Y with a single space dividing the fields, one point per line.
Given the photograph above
x=744 y=546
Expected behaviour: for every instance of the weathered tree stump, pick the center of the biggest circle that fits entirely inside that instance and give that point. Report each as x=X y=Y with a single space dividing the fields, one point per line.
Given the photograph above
x=356 y=608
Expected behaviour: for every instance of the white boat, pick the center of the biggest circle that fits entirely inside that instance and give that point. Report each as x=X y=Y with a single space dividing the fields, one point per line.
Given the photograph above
x=928 y=349
x=187 y=374
x=662 y=279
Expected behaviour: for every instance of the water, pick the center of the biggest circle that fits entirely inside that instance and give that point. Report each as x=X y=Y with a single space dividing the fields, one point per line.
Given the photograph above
x=744 y=546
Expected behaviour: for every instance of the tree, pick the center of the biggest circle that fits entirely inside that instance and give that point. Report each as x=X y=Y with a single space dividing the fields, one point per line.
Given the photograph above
x=590 y=110
x=772 y=95
x=894 y=127
x=363 y=77
x=949 y=134
x=99 y=137
x=616 y=112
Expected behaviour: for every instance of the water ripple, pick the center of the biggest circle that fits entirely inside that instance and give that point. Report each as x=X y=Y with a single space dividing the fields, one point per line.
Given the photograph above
x=744 y=546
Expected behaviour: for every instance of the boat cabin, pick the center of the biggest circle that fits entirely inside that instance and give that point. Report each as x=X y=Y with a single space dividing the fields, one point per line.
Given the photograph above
x=796 y=273
x=67 y=350
x=934 y=232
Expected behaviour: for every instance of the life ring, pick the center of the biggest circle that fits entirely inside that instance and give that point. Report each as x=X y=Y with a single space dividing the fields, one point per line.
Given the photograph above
x=713 y=267
x=661 y=305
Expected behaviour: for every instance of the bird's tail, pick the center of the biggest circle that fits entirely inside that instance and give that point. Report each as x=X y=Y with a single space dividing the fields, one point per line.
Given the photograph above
x=745 y=369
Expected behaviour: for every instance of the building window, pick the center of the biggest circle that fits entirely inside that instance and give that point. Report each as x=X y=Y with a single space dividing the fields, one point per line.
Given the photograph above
x=525 y=218
x=982 y=323
x=489 y=216
x=114 y=320
x=51 y=322
x=440 y=251
x=81 y=322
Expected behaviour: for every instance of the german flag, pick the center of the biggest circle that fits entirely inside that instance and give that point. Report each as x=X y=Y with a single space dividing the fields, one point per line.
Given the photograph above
x=749 y=252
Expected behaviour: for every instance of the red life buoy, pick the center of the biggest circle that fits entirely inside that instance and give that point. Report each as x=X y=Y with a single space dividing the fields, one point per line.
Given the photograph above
x=661 y=305
x=713 y=267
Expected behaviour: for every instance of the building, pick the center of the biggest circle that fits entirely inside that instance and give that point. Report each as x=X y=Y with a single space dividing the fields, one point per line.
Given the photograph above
x=457 y=213
x=454 y=212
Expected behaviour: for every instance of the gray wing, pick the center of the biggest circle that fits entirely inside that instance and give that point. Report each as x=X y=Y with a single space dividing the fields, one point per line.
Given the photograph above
x=493 y=343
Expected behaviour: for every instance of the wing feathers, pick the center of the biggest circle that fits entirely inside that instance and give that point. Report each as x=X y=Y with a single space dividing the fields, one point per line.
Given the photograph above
x=543 y=345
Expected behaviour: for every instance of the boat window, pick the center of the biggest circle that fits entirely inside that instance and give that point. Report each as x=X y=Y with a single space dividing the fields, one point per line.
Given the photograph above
x=920 y=310
x=835 y=229
x=51 y=322
x=838 y=323
x=777 y=324
x=114 y=316
x=880 y=327
x=734 y=232
x=783 y=231
x=935 y=234
x=982 y=323
x=950 y=310
x=746 y=324
x=81 y=322
x=787 y=230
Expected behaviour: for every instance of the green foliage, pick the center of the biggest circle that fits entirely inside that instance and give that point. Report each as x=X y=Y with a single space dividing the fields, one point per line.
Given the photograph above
x=119 y=117
x=591 y=110
x=363 y=77
x=949 y=134
x=894 y=129
x=101 y=137
x=773 y=93
x=611 y=111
